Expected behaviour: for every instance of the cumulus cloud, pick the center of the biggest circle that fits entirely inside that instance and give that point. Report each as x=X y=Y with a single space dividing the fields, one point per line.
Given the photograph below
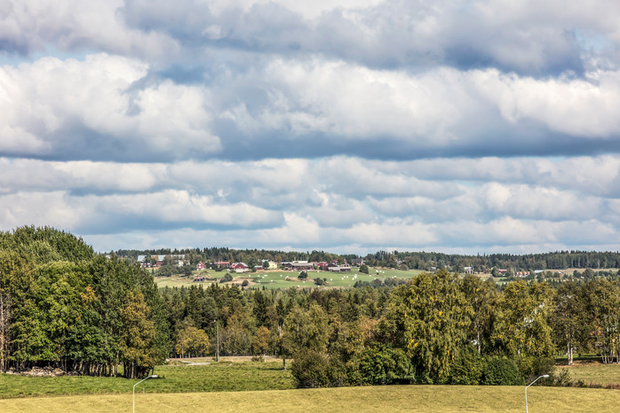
x=110 y=108
x=332 y=202
x=90 y=110
x=463 y=126
x=537 y=38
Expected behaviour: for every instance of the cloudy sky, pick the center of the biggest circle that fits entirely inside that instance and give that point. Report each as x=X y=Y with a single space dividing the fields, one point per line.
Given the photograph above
x=347 y=126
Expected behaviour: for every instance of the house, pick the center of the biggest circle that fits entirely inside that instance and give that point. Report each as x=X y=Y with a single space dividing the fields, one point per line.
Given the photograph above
x=322 y=265
x=299 y=266
x=199 y=279
x=221 y=264
x=339 y=268
x=240 y=267
x=468 y=270
x=272 y=266
x=200 y=266
x=358 y=262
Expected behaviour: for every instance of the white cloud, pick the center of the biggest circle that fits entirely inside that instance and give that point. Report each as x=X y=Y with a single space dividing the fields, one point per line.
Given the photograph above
x=62 y=102
x=457 y=126
x=74 y=25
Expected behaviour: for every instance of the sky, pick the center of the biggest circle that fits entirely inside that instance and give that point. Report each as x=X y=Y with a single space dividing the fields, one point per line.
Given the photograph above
x=351 y=126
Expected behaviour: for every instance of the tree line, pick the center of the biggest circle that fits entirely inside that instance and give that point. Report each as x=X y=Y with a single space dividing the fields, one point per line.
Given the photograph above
x=438 y=328
x=427 y=261
x=64 y=306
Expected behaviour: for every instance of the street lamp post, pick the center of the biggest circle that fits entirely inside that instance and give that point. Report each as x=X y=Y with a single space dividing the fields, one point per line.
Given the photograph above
x=134 y=390
x=539 y=377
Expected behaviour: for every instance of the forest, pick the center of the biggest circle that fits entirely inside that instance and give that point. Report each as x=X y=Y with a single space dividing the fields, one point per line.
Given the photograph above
x=65 y=306
x=426 y=261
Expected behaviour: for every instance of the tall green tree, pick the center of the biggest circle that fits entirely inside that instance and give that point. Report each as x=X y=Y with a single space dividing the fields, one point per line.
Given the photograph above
x=430 y=317
x=522 y=327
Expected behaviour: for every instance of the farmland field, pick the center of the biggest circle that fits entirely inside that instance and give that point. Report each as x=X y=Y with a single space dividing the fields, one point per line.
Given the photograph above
x=347 y=399
x=274 y=279
x=236 y=384
x=202 y=375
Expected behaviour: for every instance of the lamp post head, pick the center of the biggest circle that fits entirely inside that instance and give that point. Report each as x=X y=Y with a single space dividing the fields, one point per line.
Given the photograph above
x=154 y=376
x=545 y=376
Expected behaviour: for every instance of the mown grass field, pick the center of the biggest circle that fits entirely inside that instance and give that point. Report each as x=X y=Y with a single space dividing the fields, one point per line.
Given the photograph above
x=275 y=279
x=202 y=385
x=338 y=400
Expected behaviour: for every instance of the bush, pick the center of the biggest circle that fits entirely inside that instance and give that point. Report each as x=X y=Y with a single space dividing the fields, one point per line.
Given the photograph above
x=467 y=367
x=302 y=275
x=364 y=269
x=311 y=369
x=226 y=278
x=501 y=371
x=384 y=365
x=532 y=367
x=562 y=379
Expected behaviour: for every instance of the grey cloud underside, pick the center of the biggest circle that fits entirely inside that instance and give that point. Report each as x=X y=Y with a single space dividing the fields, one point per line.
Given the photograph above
x=388 y=36
x=80 y=142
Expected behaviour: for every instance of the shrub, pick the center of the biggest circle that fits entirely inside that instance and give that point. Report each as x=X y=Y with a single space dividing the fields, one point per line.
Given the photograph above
x=532 y=367
x=384 y=365
x=226 y=278
x=501 y=371
x=311 y=369
x=467 y=367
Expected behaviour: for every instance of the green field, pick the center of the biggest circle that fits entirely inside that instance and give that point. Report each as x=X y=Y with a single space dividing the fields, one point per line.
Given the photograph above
x=202 y=385
x=594 y=372
x=204 y=376
x=348 y=399
x=285 y=279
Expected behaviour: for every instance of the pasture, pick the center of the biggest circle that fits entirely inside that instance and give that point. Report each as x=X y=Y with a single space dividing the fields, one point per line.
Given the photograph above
x=594 y=372
x=236 y=384
x=198 y=375
x=337 y=400
x=276 y=279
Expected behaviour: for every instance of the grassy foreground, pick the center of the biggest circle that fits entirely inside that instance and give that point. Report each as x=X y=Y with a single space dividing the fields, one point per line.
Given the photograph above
x=350 y=399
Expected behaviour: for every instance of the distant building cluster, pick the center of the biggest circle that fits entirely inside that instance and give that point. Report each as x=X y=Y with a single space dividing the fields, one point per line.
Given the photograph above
x=156 y=261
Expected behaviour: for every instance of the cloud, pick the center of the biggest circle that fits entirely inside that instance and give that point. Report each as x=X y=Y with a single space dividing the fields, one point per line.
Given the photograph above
x=327 y=203
x=111 y=108
x=480 y=126
x=537 y=39
x=27 y=27
x=90 y=110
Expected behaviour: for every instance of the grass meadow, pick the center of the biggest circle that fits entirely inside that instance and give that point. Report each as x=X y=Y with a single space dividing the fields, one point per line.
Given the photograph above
x=275 y=279
x=236 y=384
x=202 y=376
x=594 y=372
x=347 y=399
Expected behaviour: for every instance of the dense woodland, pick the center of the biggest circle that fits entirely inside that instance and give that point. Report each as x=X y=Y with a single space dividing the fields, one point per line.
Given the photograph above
x=426 y=261
x=63 y=305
